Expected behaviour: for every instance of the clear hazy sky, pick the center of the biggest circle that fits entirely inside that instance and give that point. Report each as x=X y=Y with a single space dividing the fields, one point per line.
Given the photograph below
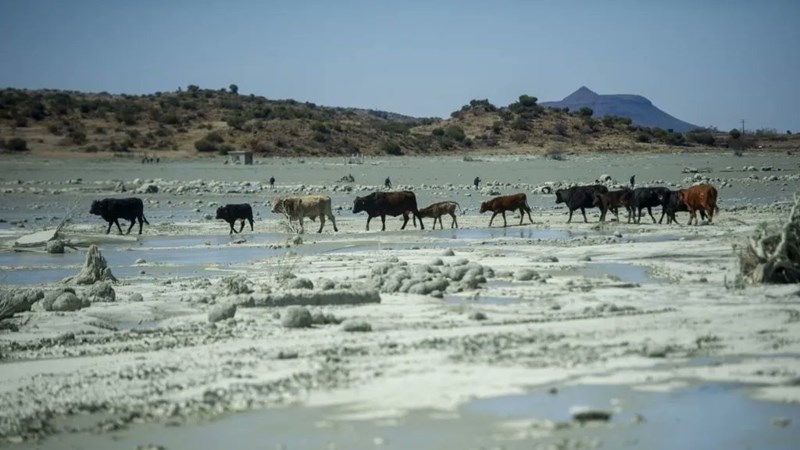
x=707 y=62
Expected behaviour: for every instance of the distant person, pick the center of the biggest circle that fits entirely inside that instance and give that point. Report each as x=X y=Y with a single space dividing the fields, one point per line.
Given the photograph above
x=476 y=182
x=158 y=160
x=633 y=180
x=388 y=183
x=271 y=181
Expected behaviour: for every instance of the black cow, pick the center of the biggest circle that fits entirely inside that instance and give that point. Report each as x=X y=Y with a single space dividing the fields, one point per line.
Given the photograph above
x=672 y=205
x=113 y=209
x=388 y=204
x=579 y=197
x=648 y=197
x=232 y=213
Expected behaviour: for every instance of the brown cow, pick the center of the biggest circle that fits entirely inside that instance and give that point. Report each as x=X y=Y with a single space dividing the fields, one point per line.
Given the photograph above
x=388 y=204
x=702 y=197
x=298 y=207
x=612 y=201
x=437 y=210
x=503 y=203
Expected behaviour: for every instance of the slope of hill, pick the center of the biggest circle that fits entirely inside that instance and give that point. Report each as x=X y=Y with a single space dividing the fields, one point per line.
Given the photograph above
x=638 y=108
x=200 y=121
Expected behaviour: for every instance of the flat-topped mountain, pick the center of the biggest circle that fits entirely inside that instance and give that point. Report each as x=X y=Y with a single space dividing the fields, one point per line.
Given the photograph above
x=638 y=108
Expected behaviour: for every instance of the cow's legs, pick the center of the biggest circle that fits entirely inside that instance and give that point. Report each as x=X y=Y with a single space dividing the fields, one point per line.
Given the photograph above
x=321 y=222
x=302 y=227
x=333 y=221
x=108 y=230
x=530 y=219
x=140 y=224
x=692 y=215
x=583 y=211
x=492 y=219
x=602 y=215
x=130 y=227
x=650 y=211
x=383 y=222
x=616 y=212
x=368 y=219
x=663 y=211
x=250 y=219
x=241 y=226
x=570 y=216
x=454 y=223
x=521 y=215
x=505 y=224
x=415 y=212
x=116 y=221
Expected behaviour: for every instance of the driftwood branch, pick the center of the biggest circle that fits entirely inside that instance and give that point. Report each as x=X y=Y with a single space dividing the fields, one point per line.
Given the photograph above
x=773 y=256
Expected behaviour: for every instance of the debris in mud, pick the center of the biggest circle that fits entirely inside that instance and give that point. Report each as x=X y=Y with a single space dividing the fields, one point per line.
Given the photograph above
x=16 y=301
x=320 y=318
x=94 y=269
x=781 y=422
x=235 y=285
x=356 y=326
x=221 y=312
x=317 y=298
x=773 y=256
x=296 y=317
x=583 y=414
x=424 y=279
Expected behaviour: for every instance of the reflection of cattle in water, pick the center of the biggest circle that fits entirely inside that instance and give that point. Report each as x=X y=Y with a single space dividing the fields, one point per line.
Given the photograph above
x=702 y=197
x=503 y=203
x=232 y=213
x=437 y=210
x=311 y=206
x=388 y=204
x=113 y=209
x=612 y=201
x=579 y=197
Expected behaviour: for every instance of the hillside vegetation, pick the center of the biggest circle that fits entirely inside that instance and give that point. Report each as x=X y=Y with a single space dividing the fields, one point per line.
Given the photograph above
x=199 y=121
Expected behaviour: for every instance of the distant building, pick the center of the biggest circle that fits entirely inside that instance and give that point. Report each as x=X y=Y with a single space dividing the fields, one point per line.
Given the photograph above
x=241 y=157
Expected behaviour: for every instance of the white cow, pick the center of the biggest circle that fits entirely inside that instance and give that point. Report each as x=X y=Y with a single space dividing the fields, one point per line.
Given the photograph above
x=299 y=207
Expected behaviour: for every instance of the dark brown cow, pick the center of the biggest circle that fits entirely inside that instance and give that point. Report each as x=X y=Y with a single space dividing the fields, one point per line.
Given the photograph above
x=503 y=203
x=437 y=210
x=612 y=201
x=702 y=197
x=388 y=204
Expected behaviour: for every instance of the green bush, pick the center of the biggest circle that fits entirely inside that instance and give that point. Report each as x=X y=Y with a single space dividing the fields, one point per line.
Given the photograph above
x=643 y=138
x=702 y=138
x=235 y=121
x=17 y=145
x=675 y=139
x=585 y=112
x=455 y=132
x=497 y=127
x=438 y=132
x=392 y=148
x=735 y=133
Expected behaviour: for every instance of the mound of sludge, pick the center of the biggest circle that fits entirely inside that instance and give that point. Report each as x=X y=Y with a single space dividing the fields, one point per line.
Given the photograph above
x=430 y=279
x=307 y=297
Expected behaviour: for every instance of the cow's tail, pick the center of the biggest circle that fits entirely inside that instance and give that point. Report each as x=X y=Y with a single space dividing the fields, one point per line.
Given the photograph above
x=458 y=207
x=144 y=218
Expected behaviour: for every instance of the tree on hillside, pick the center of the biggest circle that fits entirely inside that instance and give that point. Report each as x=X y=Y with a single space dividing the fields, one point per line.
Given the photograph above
x=234 y=89
x=735 y=133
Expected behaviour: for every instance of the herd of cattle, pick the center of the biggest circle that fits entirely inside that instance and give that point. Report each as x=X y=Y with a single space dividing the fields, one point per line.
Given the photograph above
x=700 y=198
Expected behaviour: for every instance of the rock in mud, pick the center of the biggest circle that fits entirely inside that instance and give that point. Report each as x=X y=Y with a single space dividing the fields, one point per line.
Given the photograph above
x=325 y=284
x=67 y=301
x=47 y=303
x=147 y=189
x=448 y=252
x=656 y=350
x=781 y=422
x=221 y=312
x=137 y=297
x=102 y=292
x=94 y=269
x=585 y=414
x=296 y=317
x=300 y=283
x=478 y=315
x=356 y=326
x=55 y=246
x=525 y=275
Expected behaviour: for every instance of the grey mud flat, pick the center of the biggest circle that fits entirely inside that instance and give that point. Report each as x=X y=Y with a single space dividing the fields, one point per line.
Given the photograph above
x=474 y=327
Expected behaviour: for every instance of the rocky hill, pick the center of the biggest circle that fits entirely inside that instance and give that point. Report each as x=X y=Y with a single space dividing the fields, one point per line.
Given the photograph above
x=199 y=121
x=641 y=110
